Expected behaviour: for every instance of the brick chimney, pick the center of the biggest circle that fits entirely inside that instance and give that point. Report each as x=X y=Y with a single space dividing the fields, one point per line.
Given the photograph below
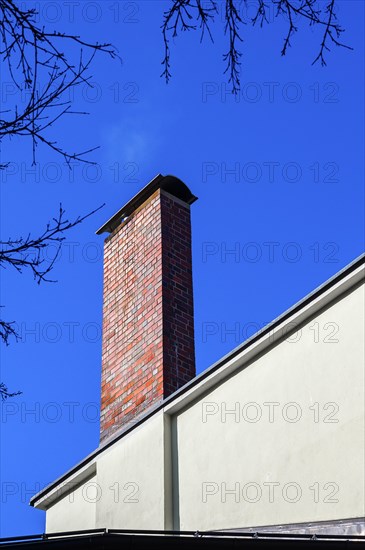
x=148 y=325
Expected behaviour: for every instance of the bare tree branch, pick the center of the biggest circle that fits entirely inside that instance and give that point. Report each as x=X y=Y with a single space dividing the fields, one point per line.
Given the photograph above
x=27 y=252
x=185 y=15
x=5 y=393
x=232 y=57
x=332 y=33
x=179 y=17
x=37 y=65
x=7 y=330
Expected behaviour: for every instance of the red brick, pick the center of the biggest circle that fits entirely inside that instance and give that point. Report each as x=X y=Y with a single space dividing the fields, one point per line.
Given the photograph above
x=148 y=321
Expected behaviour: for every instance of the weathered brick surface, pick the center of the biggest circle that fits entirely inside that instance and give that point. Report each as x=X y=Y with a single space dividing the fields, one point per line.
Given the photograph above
x=148 y=327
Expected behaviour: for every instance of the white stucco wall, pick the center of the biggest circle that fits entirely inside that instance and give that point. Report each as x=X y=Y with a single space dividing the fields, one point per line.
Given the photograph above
x=75 y=510
x=323 y=449
x=127 y=490
x=176 y=469
x=131 y=474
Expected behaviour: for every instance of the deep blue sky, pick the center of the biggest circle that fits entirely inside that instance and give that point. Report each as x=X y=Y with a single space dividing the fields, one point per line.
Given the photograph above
x=296 y=136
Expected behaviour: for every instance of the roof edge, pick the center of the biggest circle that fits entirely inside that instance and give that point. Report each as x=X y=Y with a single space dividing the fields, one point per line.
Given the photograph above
x=352 y=269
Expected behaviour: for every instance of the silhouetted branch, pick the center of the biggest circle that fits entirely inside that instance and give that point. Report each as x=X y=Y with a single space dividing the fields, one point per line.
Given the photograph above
x=27 y=252
x=261 y=14
x=7 y=330
x=179 y=17
x=184 y=15
x=332 y=33
x=232 y=57
x=37 y=65
x=5 y=393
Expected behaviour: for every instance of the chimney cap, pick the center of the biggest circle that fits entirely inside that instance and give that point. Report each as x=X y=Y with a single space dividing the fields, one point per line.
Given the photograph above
x=171 y=184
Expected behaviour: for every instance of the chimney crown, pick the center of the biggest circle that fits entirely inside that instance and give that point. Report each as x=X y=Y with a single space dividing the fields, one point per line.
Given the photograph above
x=171 y=184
